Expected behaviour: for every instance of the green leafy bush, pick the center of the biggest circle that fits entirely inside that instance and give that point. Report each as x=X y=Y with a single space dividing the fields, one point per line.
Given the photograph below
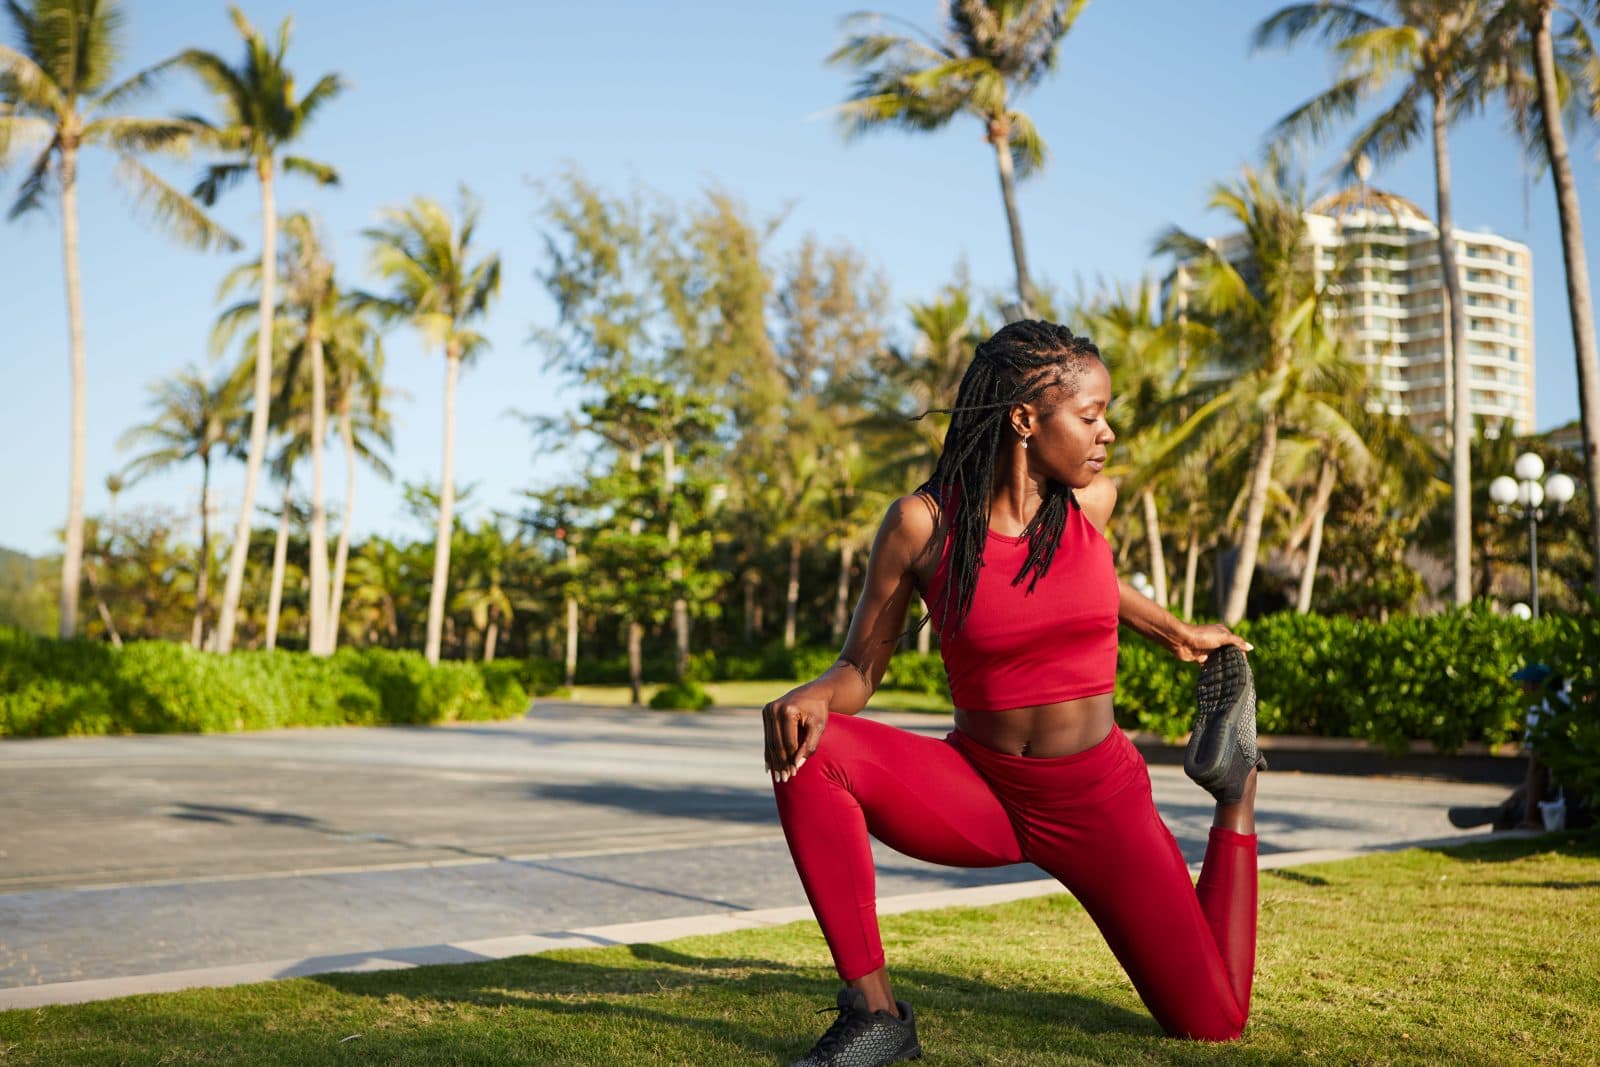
x=1445 y=678
x=53 y=688
x=1568 y=738
x=917 y=672
x=681 y=696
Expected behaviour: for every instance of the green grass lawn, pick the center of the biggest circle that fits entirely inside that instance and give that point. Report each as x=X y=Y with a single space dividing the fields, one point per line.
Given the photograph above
x=1480 y=955
x=756 y=693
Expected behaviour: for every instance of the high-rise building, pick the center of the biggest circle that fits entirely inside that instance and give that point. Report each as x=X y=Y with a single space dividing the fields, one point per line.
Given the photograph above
x=1382 y=253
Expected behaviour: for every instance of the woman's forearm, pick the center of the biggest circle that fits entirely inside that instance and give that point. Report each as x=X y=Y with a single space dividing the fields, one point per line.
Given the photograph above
x=1149 y=619
x=846 y=686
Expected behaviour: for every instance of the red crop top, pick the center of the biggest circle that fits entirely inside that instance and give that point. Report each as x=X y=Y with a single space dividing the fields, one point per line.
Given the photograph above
x=1017 y=649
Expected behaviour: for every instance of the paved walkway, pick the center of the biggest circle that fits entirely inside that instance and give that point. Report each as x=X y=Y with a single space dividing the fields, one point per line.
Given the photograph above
x=153 y=862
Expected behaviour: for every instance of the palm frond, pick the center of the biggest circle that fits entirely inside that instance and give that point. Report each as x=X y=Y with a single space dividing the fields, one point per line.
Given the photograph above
x=234 y=318
x=30 y=194
x=1029 y=153
x=179 y=215
x=327 y=87
x=217 y=179
x=172 y=136
x=321 y=173
x=1378 y=54
x=1390 y=134
x=223 y=82
x=1332 y=22
x=29 y=85
x=1315 y=119
x=137 y=85
x=20 y=133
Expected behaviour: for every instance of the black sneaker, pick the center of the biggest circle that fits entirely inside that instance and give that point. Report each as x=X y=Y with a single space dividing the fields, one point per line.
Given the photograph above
x=1222 y=749
x=862 y=1038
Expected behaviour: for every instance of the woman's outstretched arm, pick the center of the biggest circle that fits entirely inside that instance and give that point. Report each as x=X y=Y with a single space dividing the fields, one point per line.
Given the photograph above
x=794 y=722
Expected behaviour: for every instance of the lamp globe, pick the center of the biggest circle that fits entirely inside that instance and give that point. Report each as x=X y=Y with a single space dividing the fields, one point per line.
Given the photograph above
x=1560 y=488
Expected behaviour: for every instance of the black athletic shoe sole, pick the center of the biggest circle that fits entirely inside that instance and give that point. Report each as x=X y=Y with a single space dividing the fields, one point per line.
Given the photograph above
x=1468 y=818
x=1222 y=746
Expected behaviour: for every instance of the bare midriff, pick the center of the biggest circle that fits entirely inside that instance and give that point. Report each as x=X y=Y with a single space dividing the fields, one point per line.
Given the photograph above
x=1042 y=732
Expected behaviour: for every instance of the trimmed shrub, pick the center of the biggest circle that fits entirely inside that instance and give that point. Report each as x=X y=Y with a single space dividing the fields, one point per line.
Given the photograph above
x=917 y=672
x=681 y=696
x=1568 y=738
x=1445 y=679
x=53 y=688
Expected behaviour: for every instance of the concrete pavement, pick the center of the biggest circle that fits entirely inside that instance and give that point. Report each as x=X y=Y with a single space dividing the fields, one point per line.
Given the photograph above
x=135 y=863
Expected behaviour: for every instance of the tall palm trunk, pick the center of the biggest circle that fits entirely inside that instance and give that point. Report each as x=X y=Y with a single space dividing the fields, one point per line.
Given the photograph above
x=447 y=501
x=341 y=555
x=1319 y=512
x=197 y=632
x=319 y=511
x=234 y=586
x=491 y=637
x=280 y=563
x=791 y=601
x=1456 y=360
x=749 y=607
x=841 y=591
x=570 y=661
x=1158 y=557
x=636 y=660
x=1579 y=302
x=72 y=558
x=680 y=606
x=1191 y=565
x=1255 y=513
x=1000 y=137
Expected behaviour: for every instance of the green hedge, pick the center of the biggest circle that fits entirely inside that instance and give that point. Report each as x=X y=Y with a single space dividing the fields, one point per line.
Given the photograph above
x=1568 y=741
x=53 y=688
x=681 y=696
x=1441 y=678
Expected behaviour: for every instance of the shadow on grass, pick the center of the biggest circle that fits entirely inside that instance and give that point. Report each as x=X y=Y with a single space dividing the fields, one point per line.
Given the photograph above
x=1575 y=843
x=1290 y=875
x=761 y=1007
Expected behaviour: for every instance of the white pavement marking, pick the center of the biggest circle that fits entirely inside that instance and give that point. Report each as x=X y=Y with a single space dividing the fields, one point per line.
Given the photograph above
x=634 y=933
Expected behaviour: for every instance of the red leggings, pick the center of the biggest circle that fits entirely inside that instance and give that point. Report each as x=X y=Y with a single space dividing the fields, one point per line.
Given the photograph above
x=1088 y=819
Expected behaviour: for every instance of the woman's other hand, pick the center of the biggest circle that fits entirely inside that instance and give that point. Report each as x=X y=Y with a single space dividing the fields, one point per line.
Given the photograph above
x=793 y=725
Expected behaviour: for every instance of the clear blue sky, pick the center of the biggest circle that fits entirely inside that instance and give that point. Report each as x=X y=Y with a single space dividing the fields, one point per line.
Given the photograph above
x=1154 y=102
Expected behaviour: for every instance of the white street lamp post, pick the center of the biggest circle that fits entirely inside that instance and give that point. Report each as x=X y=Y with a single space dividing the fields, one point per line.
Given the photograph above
x=1524 y=496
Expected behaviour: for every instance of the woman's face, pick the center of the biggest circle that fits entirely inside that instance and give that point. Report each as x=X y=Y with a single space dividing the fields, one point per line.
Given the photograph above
x=1068 y=435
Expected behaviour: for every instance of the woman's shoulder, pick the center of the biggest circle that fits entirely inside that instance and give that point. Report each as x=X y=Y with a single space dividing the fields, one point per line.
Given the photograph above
x=911 y=526
x=1098 y=499
x=915 y=516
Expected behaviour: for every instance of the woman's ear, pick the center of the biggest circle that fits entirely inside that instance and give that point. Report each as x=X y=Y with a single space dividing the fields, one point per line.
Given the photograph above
x=1022 y=420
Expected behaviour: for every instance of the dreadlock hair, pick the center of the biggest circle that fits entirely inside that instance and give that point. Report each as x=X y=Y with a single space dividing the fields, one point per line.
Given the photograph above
x=1018 y=365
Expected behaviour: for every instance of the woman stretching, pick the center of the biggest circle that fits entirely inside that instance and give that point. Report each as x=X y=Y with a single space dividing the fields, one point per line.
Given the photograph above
x=1005 y=543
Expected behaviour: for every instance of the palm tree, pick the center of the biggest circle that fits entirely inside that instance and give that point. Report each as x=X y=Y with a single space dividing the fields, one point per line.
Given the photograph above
x=1270 y=313
x=991 y=52
x=56 y=91
x=485 y=594
x=438 y=289
x=260 y=116
x=1434 y=51
x=912 y=388
x=1563 y=84
x=381 y=576
x=193 y=418
x=1146 y=355
x=360 y=401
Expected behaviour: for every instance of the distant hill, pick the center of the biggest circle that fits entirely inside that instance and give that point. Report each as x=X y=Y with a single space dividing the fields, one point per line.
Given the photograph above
x=27 y=594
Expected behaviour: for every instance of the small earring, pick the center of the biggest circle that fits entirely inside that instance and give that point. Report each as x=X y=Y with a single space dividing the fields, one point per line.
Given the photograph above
x=1024 y=443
